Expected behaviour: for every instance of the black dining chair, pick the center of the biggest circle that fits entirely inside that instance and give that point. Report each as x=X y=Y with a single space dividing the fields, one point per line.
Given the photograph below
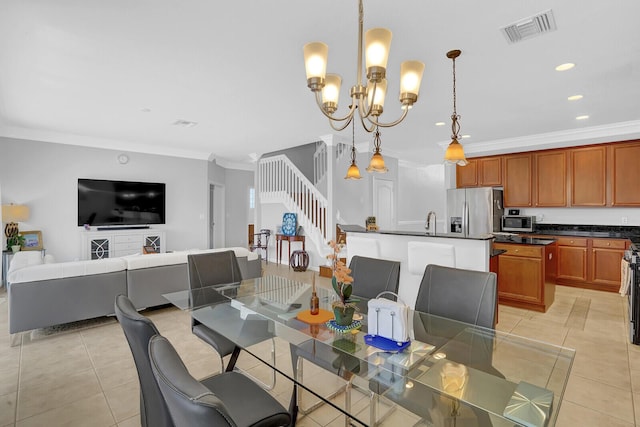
x=205 y=270
x=468 y=296
x=372 y=276
x=138 y=330
x=233 y=389
x=227 y=399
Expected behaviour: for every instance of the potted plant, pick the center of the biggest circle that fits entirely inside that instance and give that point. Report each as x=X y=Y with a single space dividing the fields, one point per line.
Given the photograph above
x=345 y=306
x=15 y=242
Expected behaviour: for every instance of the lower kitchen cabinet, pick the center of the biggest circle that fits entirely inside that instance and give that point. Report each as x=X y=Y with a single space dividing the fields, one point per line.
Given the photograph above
x=590 y=263
x=606 y=255
x=572 y=259
x=521 y=277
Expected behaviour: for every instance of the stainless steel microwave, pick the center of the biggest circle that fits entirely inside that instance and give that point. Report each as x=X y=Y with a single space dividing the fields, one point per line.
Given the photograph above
x=520 y=223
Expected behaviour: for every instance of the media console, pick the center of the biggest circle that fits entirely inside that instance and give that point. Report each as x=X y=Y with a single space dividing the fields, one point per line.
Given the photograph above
x=116 y=242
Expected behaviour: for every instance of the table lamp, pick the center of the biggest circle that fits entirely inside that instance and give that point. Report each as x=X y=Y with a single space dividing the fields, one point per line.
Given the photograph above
x=11 y=215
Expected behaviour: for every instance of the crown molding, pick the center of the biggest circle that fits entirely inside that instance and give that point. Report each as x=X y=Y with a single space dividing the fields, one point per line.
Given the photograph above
x=613 y=132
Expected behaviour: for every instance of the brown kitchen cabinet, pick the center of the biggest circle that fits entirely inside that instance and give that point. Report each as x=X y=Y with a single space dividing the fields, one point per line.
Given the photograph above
x=572 y=259
x=521 y=277
x=624 y=174
x=606 y=256
x=518 y=174
x=590 y=263
x=551 y=178
x=467 y=176
x=480 y=172
x=589 y=176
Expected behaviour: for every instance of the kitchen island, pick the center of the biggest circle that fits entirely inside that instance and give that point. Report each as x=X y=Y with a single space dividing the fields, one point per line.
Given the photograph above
x=523 y=279
x=415 y=250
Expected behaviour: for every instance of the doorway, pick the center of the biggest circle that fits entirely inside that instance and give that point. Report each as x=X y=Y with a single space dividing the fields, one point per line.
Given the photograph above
x=216 y=216
x=384 y=204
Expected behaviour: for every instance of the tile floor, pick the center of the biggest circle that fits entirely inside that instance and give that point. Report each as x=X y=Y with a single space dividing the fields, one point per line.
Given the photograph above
x=87 y=377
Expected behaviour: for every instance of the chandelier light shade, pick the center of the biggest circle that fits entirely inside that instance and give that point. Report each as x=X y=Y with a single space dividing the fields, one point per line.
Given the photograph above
x=455 y=151
x=365 y=94
x=11 y=215
x=353 y=172
x=377 y=161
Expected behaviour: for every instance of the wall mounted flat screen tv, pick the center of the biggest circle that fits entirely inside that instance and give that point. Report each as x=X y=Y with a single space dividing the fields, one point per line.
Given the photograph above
x=123 y=203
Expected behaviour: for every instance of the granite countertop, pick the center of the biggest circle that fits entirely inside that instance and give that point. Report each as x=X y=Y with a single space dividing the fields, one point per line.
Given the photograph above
x=519 y=240
x=359 y=229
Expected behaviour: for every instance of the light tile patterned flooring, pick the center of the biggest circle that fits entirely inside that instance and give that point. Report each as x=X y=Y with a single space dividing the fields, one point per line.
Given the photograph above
x=87 y=377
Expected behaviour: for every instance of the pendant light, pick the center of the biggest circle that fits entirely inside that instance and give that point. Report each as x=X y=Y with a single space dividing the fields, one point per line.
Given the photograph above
x=353 y=172
x=377 y=161
x=455 y=151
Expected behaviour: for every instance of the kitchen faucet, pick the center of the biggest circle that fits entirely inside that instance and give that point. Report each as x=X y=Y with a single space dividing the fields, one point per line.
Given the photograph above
x=428 y=224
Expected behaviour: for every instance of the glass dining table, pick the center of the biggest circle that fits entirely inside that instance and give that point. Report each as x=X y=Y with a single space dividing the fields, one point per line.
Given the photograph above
x=452 y=373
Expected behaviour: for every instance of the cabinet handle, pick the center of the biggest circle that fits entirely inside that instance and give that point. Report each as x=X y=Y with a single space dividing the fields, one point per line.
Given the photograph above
x=571 y=241
x=517 y=250
x=608 y=244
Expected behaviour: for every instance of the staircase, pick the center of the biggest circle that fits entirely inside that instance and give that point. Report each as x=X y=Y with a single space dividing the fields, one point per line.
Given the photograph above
x=280 y=181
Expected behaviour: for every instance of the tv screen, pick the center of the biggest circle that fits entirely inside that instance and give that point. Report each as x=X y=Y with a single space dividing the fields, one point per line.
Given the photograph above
x=106 y=202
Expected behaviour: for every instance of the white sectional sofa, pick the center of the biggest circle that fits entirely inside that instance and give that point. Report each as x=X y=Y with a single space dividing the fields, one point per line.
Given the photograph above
x=43 y=294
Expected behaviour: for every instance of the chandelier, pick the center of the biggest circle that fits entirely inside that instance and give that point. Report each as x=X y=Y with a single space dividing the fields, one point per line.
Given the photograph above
x=455 y=151
x=369 y=98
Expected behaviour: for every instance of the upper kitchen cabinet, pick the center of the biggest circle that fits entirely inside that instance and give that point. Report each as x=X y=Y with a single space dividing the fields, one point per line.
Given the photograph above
x=624 y=172
x=589 y=176
x=551 y=178
x=480 y=172
x=518 y=173
x=467 y=176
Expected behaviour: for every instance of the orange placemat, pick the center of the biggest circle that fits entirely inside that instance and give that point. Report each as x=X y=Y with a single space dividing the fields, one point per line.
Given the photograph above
x=322 y=317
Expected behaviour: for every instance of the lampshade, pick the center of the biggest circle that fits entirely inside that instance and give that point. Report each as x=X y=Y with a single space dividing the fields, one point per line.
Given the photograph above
x=455 y=154
x=410 y=79
x=353 y=172
x=377 y=104
x=331 y=92
x=15 y=213
x=315 y=59
x=11 y=215
x=377 y=42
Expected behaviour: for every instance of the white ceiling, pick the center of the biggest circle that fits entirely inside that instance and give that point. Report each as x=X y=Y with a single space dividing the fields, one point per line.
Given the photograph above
x=118 y=73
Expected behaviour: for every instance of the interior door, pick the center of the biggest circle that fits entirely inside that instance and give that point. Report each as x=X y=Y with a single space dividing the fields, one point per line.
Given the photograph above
x=384 y=204
x=216 y=216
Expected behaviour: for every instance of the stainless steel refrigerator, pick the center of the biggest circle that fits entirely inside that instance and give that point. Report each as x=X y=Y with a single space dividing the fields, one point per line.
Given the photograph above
x=474 y=211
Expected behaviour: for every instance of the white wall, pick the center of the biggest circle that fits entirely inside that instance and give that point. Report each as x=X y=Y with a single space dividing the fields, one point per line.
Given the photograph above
x=44 y=176
x=238 y=215
x=420 y=190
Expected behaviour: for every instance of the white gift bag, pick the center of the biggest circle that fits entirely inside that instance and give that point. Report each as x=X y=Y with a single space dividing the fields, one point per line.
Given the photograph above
x=388 y=319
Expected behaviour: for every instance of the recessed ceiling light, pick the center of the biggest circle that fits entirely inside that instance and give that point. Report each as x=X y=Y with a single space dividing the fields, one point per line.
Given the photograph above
x=184 y=123
x=574 y=97
x=585 y=117
x=145 y=110
x=440 y=123
x=565 y=67
x=465 y=136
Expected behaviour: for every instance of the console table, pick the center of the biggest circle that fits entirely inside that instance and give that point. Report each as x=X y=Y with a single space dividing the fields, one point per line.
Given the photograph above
x=117 y=243
x=280 y=238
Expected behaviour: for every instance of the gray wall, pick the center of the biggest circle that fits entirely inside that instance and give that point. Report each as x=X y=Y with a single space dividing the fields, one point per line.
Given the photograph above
x=44 y=176
x=301 y=156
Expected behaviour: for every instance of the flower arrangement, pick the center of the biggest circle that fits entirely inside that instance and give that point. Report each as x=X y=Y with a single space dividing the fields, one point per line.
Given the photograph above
x=341 y=279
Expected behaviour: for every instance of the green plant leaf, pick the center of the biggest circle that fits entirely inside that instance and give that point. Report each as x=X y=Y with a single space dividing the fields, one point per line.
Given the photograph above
x=334 y=283
x=346 y=291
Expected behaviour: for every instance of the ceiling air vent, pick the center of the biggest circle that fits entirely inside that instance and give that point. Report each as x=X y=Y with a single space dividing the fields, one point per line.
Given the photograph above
x=530 y=27
x=184 y=123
